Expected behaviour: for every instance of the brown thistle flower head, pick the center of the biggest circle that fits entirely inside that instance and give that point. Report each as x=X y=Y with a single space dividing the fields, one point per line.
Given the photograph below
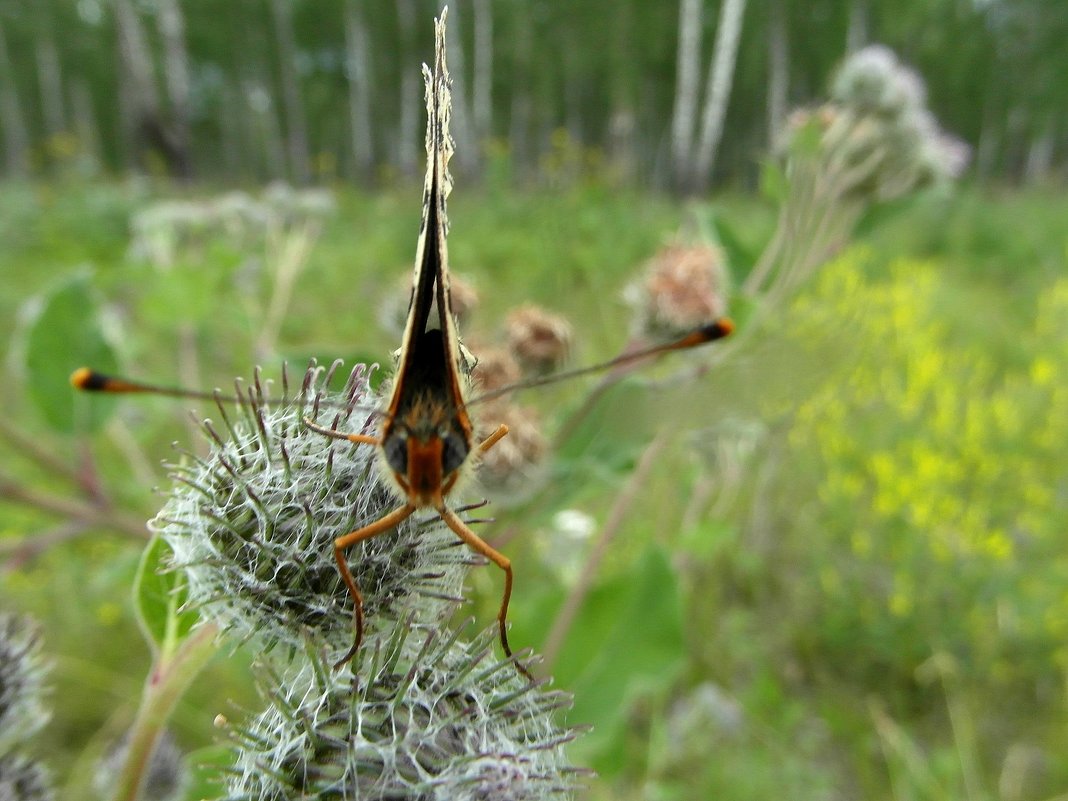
x=393 y=312
x=540 y=340
x=495 y=368
x=685 y=286
x=512 y=469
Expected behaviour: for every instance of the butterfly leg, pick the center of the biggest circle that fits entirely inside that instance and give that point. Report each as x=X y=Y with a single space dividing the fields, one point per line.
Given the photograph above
x=453 y=521
x=493 y=438
x=347 y=541
x=358 y=439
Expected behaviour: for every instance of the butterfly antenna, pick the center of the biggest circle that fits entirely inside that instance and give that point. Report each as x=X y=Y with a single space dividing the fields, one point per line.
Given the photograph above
x=89 y=380
x=700 y=336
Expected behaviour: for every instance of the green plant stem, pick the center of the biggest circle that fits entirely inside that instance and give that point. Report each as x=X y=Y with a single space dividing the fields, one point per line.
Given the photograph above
x=82 y=513
x=573 y=603
x=168 y=681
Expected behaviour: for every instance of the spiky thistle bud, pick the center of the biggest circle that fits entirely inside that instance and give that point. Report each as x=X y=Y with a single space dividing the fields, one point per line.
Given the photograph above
x=22 y=674
x=22 y=710
x=253 y=523
x=875 y=139
x=539 y=339
x=22 y=779
x=426 y=716
x=684 y=286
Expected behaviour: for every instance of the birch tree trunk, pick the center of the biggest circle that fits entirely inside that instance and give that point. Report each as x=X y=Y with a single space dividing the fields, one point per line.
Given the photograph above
x=720 y=79
x=16 y=136
x=408 y=140
x=622 y=146
x=292 y=108
x=857 y=30
x=234 y=135
x=778 y=69
x=84 y=123
x=358 y=72
x=265 y=121
x=522 y=107
x=50 y=80
x=1039 y=159
x=482 y=84
x=687 y=85
x=466 y=145
x=171 y=25
x=138 y=101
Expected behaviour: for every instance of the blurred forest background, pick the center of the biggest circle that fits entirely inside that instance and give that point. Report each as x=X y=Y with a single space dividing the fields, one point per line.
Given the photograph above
x=824 y=559
x=314 y=90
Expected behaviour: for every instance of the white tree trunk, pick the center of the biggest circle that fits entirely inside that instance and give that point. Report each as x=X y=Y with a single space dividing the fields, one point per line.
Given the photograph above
x=16 y=136
x=857 y=30
x=409 y=140
x=50 y=80
x=687 y=86
x=778 y=69
x=466 y=145
x=292 y=107
x=358 y=72
x=139 y=81
x=720 y=79
x=482 y=84
x=265 y=121
x=85 y=126
x=171 y=25
x=522 y=107
x=1040 y=155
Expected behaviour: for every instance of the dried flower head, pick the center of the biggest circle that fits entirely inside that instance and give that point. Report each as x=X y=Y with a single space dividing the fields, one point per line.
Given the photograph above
x=495 y=368
x=539 y=339
x=685 y=286
x=426 y=716
x=22 y=779
x=393 y=312
x=515 y=467
x=22 y=674
x=253 y=523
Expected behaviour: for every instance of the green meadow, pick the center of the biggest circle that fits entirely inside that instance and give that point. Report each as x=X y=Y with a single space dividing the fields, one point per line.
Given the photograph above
x=825 y=562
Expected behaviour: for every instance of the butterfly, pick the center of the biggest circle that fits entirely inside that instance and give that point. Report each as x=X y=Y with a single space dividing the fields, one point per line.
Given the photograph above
x=426 y=442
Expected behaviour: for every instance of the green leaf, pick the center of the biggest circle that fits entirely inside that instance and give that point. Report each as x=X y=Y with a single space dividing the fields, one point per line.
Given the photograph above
x=159 y=593
x=773 y=181
x=65 y=333
x=740 y=256
x=206 y=768
x=626 y=643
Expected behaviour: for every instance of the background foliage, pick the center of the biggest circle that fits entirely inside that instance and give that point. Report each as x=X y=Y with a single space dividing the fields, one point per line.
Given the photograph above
x=837 y=567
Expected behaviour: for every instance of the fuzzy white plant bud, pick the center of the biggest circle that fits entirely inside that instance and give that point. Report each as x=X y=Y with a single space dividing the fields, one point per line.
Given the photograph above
x=22 y=675
x=424 y=715
x=22 y=710
x=253 y=524
x=22 y=779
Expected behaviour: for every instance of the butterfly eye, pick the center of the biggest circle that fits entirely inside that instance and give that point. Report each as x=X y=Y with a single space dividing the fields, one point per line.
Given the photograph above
x=453 y=453
x=396 y=451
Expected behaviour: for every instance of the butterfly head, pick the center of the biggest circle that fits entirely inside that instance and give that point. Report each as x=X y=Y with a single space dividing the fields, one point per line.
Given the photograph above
x=426 y=449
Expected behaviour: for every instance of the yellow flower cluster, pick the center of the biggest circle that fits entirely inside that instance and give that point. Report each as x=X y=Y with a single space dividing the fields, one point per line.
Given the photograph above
x=939 y=451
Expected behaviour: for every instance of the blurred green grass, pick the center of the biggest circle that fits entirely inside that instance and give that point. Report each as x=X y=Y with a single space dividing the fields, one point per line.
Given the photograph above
x=857 y=658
